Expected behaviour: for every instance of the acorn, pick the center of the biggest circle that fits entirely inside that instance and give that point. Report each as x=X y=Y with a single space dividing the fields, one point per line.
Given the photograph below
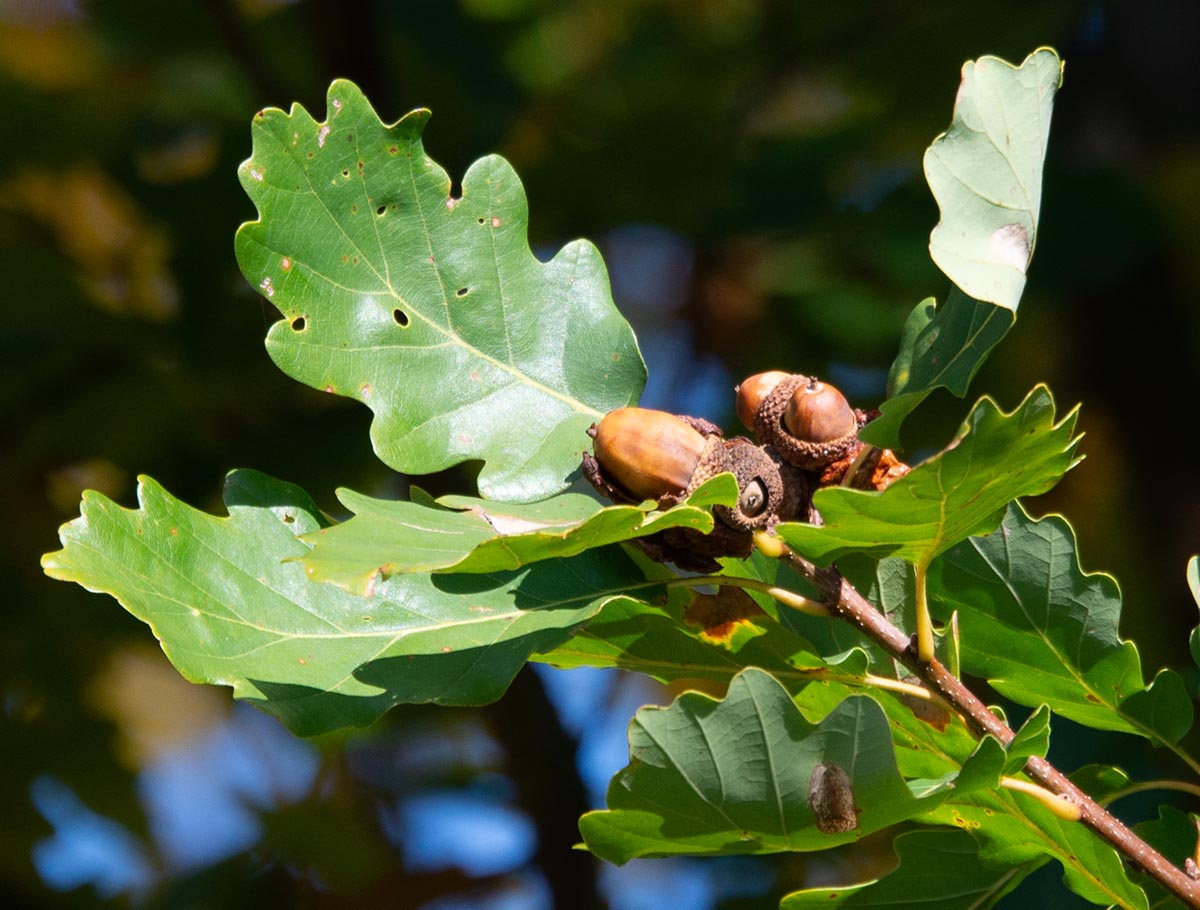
x=647 y=454
x=819 y=413
x=752 y=391
x=642 y=454
x=808 y=421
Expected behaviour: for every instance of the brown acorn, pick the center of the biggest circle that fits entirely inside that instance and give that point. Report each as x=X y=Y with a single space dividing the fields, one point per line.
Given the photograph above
x=652 y=454
x=808 y=421
x=643 y=454
x=752 y=391
x=819 y=413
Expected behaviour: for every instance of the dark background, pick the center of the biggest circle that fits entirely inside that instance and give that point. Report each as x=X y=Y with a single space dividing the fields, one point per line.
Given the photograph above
x=751 y=171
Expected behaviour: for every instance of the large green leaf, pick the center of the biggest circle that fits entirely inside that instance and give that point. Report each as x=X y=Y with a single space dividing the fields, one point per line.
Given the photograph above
x=386 y=537
x=939 y=870
x=231 y=606
x=430 y=308
x=985 y=172
x=1042 y=631
x=733 y=776
x=962 y=491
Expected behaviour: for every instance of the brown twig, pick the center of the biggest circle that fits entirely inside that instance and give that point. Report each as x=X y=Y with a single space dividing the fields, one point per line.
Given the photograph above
x=844 y=602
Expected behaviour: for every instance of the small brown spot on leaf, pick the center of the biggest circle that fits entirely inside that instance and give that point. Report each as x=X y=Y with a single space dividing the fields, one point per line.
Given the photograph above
x=322 y=134
x=365 y=390
x=286 y=264
x=392 y=150
x=288 y=518
x=301 y=661
x=329 y=389
x=717 y=615
x=446 y=649
x=174 y=532
x=495 y=222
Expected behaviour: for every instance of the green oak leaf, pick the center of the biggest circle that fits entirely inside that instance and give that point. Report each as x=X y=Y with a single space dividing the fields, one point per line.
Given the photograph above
x=1033 y=739
x=985 y=172
x=940 y=347
x=465 y=534
x=960 y=492
x=939 y=870
x=732 y=776
x=1015 y=830
x=427 y=307
x=1042 y=631
x=231 y=606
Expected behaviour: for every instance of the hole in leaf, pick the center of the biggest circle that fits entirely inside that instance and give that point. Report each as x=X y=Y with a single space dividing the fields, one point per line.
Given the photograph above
x=461 y=292
x=382 y=210
x=299 y=324
x=401 y=317
x=345 y=172
x=481 y=221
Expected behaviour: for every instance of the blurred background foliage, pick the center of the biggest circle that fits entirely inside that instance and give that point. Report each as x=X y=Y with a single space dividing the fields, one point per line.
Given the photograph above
x=751 y=171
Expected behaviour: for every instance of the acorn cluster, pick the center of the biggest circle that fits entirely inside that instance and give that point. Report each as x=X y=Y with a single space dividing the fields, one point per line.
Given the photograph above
x=807 y=437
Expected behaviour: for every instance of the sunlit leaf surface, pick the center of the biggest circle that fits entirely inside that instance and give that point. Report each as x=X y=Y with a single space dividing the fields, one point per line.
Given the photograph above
x=427 y=306
x=962 y=491
x=474 y=535
x=231 y=606
x=1042 y=631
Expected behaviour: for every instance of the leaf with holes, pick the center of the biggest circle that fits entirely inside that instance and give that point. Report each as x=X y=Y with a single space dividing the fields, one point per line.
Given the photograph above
x=231 y=606
x=430 y=308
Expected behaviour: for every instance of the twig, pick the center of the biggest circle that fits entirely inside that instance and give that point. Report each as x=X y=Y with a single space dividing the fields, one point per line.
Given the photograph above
x=844 y=602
